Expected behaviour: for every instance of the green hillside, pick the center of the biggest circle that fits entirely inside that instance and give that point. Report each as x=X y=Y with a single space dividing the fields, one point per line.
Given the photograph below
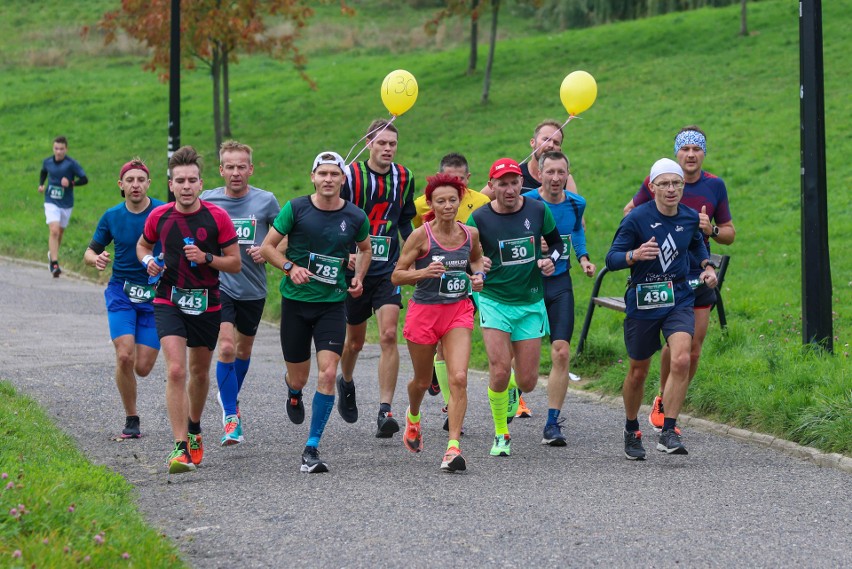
x=654 y=76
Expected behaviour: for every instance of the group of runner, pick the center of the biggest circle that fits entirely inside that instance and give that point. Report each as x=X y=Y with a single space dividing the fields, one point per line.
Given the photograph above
x=189 y=277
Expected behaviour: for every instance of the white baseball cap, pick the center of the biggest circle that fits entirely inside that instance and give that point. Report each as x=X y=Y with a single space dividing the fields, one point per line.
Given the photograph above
x=328 y=157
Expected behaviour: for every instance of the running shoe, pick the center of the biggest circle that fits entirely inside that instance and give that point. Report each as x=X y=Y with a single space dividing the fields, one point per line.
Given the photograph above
x=553 y=434
x=179 y=461
x=670 y=443
x=656 y=417
x=295 y=406
x=413 y=439
x=196 y=448
x=514 y=397
x=447 y=422
x=386 y=425
x=311 y=461
x=54 y=266
x=453 y=461
x=434 y=387
x=523 y=410
x=633 y=448
x=131 y=428
x=346 y=405
x=502 y=445
x=233 y=431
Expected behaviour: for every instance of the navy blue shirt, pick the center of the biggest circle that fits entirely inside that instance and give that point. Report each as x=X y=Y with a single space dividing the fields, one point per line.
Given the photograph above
x=52 y=172
x=124 y=227
x=678 y=237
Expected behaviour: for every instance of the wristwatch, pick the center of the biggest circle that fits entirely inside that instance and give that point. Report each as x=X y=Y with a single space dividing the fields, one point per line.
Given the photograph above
x=208 y=258
x=288 y=266
x=715 y=231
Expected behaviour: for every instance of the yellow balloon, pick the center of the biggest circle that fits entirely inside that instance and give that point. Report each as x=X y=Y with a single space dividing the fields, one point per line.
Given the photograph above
x=399 y=91
x=578 y=92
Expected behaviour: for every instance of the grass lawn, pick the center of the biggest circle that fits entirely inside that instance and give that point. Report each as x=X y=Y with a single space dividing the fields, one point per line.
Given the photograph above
x=86 y=514
x=654 y=76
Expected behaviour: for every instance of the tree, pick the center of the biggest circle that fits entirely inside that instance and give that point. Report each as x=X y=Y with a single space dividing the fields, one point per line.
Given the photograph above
x=743 y=25
x=213 y=31
x=474 y=36
x=472 y=9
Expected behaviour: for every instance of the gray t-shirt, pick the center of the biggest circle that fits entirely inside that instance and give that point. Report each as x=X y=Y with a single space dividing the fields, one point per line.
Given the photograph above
x=252 y=215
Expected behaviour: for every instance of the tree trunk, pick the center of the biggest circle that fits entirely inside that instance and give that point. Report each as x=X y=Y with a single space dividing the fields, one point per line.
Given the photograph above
x=216 y=74
x=743 y=25
x=474 y=37
x=226 y=96
x=486 y=87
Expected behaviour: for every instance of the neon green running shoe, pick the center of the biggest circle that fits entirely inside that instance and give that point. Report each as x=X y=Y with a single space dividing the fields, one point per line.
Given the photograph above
x=179 y=461
x=502 y=445
x=233 y=431
x=514 y=401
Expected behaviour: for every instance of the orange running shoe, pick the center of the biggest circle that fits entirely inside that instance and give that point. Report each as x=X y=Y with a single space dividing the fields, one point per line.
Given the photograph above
x=656 y=417
x=523 y=410
x=413 y=438
x=453 y=460
x=196 y=448
x=179 y=461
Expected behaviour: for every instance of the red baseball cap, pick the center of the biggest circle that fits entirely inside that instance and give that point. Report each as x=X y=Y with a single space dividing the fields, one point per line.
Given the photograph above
x=504 y=166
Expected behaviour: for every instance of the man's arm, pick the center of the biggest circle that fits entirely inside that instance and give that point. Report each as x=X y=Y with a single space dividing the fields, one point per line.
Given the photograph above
x=408 y=212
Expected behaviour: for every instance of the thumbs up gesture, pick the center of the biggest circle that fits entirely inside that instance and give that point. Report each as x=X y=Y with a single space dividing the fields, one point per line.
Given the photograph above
x=704 y=221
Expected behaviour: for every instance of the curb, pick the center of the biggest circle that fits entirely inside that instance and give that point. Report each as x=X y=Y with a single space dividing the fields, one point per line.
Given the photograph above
x=808 y=454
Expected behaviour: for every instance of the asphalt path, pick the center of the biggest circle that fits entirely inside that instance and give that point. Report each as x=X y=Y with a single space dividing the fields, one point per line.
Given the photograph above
x=727 y=503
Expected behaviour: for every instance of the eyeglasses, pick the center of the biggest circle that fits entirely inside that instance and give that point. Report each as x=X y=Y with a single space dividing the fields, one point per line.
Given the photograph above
x=675 y=185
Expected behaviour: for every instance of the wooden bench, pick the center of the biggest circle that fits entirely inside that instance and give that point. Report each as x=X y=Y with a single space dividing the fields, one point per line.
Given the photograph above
x=617 y=302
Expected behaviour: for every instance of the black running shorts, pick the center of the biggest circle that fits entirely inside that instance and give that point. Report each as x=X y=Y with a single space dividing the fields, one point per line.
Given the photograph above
x=245 y=315
x=378 y=291
x=198 y=329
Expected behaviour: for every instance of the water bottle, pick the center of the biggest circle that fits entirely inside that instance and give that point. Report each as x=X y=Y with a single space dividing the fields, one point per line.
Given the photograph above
x=190 y=241
x=161 y=261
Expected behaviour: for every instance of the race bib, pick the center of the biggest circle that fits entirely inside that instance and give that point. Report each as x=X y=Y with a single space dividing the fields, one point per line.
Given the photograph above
x=246 y=229
x=55 y=192
x=517 y=251
x=454 y=284
x=655 y=295
x=566 y=247
x=191 y=301
x=381 y=247
x=138 y=293
x=325 y=269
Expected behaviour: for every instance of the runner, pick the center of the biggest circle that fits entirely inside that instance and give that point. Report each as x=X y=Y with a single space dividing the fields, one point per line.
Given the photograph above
x=456 y=165
x=567 y=209
x=385 y=191
x=243 y=295
x=656 y=241
x=62 y=174
x=198 y=240
x=128 y=295
x=436 y=258
x=706 y=194
x=511 y=312
x=321 y=229
x=547 y=137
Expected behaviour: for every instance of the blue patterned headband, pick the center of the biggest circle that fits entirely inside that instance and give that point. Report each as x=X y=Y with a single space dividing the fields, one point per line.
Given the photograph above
x=690 y=137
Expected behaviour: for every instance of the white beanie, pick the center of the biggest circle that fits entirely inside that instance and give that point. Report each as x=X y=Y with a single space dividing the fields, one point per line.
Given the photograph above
x=665 y=166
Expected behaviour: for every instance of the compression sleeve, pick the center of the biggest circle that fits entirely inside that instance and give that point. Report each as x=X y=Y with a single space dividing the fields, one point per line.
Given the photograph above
x=555 y=246
x=42 y=177
x=408 y=212
x=96 y=247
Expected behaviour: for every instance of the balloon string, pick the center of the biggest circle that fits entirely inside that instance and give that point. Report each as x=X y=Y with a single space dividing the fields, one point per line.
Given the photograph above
x=374 y=133
x=570 y=118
